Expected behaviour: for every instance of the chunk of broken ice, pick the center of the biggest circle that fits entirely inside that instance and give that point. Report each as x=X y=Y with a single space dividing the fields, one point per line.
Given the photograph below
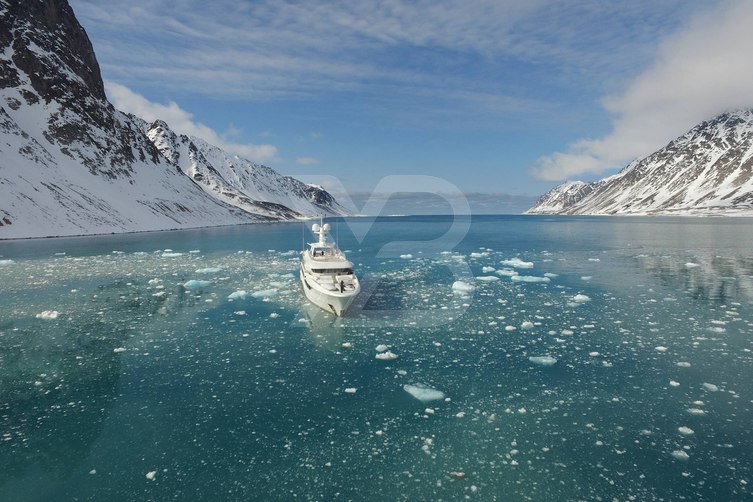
x=543 y=360
x=48 y=315
x=196 y=284
x=423 y=392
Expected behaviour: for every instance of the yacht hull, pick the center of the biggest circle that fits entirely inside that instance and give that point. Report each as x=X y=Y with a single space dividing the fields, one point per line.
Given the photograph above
x=331 y=301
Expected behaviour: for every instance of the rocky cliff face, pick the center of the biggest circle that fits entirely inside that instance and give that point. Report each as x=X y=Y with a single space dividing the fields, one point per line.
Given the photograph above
x=72 y=164
x=709 y=170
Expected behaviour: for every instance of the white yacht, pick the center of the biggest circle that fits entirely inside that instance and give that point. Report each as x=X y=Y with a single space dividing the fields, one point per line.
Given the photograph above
x=326 y=274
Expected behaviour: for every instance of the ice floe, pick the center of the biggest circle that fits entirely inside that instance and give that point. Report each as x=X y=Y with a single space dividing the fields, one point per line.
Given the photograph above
x=710 y=387
x=517 y=263
x=238 y=295
x=529 y=278
x=196 y=284
x=543 y=360
x=580 y=298
x=462 y=287
x=209 y=270
x=685 y=431
x=680 y=455
x=423 y=393
x=48 y=315
x=386 y=356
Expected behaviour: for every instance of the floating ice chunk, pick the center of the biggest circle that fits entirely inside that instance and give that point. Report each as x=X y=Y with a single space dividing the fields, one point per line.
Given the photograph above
x=551 y=275
x=691 y=265
x=169 y=254
x=696 y=411
x=196 y=284
x=460 y=414
x=406 y=256
x=543 y=360
x=48 y=315
x=674 y=383
x=265 y=293
x=423 y=393
x=351 y=390
x=240 y=312
x=480 y=255
x=6 y=262
x=154 y=282
x=487 y=278
x=594 y=259
x=594 y=354
x=566 y=332
x=510 y=328
x=579 y=298
x=150 y=475
x=462 y=287
x=118 y=350
x=386 y=356
x=680 y=455
x=209 y=270
x=683 y=364
x=381 y=347
x=274 y=315
x=238 y=295
x=488 y=270
x=529 y=278
x=585 y=278
x=685 y=431
x=507 y=272
x=517 y=263
x=710 y=387
x=526 y=325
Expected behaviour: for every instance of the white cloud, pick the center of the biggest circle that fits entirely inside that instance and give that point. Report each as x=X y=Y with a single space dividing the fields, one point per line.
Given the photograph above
x=183 y=122
x=701 y=70
x=306 y=161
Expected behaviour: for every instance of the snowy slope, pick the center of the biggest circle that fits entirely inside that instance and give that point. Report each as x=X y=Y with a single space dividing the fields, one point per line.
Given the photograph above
x=238 y=181
x=71 y=164
x=709 y=170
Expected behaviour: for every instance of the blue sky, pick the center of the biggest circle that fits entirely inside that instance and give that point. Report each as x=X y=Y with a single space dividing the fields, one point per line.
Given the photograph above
x=497 y=96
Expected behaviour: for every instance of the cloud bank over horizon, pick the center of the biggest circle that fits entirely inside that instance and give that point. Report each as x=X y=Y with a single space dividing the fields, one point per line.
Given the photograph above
x=701 y=70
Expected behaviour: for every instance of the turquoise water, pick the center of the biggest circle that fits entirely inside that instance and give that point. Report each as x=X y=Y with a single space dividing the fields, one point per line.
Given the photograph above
x=616 y=364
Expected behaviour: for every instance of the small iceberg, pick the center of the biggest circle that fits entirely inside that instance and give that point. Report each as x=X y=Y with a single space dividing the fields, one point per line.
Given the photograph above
x=529 y=278
x=196 y=284
x=543 y=360
x=209 y=270
x=386 y=356
x=48 y=315
x=238 y=295
x=517 y=263
x=462 y=287
x=423 y=393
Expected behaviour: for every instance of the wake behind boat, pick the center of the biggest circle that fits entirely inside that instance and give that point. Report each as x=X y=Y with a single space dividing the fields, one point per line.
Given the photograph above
x=326 y=274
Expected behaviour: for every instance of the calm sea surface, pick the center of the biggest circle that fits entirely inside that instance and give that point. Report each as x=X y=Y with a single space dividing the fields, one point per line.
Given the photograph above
x=498 y=358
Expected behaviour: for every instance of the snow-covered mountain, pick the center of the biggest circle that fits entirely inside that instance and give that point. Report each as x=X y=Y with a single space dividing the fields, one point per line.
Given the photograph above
x=71 y=164
x=237 y=181
x=709 y=170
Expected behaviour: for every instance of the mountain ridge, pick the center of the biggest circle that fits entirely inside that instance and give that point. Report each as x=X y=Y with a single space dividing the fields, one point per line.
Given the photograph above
x=706 y=171
x=71 y=164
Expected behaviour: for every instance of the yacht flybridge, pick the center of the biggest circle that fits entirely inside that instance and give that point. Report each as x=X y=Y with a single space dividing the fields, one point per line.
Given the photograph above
x=326 y=274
